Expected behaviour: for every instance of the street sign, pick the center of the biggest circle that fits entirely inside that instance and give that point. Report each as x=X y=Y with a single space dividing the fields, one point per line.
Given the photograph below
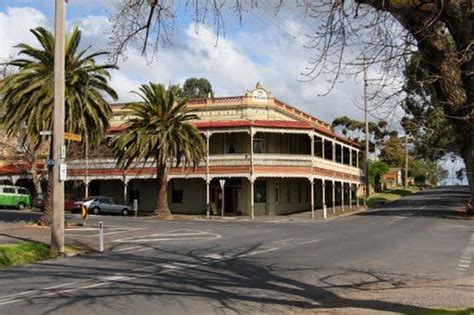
x=72 y=136
x=222 y=183
x=46 y=133
x=62 y=172
x=84 y=212
x=63 y=152
x=50 y=162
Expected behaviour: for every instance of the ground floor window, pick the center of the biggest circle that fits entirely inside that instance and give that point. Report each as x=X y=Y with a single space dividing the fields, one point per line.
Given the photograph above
x=176 y=191
x=260 y=191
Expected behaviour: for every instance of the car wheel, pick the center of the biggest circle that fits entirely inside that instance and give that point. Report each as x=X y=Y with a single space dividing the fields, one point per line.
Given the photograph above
x=96 y=211
x=21 y=206
x=125 y=212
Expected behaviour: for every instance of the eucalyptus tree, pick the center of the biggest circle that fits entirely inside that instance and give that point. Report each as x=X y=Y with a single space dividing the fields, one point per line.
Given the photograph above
x=28 y=93
x=344 y=35
x=159 y=130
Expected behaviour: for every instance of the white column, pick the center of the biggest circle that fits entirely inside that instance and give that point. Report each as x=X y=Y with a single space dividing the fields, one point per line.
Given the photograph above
x=312 y=198
x=342 y=196
x=350 y=196
x=311 y=137
x=357 y=195
x=323 y=142
x=323 y=197
x=86 y=189
x=125 y=190
x=350 y=156
x=334 y=151
x=208 y=136
x=252 y=196
x=342 y=154
x=333 y=197
x=208 y=199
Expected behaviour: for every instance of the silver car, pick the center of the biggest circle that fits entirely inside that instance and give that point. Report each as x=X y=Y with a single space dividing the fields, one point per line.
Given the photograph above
x=99 y=204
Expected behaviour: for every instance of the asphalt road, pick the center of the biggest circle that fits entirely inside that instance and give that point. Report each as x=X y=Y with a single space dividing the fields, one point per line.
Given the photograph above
x=236 y=267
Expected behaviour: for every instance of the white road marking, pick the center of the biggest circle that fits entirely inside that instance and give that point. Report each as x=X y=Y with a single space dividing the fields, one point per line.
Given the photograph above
x=105 y=280
x=174 y=235
x=466 y=257
x=308 y=242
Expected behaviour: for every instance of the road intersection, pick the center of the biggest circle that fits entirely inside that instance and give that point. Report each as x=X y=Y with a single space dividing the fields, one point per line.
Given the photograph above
x=415 y=254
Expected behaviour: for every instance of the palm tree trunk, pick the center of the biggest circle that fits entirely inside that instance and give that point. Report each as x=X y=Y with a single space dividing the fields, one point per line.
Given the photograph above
x=47 y=217
x=36 y=177
x=162 y=210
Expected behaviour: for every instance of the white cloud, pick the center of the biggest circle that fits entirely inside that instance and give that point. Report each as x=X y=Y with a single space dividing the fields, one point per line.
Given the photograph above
x=15 y=25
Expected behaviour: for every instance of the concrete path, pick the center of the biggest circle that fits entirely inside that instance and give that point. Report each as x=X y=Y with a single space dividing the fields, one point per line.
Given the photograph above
x=414 y=255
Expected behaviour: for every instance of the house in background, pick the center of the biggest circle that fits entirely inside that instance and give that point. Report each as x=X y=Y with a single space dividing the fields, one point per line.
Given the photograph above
x=393 y=178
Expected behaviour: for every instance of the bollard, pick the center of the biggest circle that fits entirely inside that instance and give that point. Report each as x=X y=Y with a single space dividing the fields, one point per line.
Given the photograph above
x=135 y=207
x=101 y=236
x=325 y=212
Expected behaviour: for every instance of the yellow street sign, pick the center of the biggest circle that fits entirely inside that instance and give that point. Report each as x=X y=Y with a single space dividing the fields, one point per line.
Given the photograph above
x=84 y=212
x=72 y=136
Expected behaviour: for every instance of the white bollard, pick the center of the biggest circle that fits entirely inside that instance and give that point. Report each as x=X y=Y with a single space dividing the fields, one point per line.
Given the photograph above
x=135 y=207
x=101 y=236
x=325 y=212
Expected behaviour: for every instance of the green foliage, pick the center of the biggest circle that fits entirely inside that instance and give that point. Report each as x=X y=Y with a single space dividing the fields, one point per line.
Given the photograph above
x=393 y=152
x=355 y=130
x=28 y=93
x=376 y=170
x=159 y=129
x=433 y=135
x=197 y=88
x=23 y=253
x=425 y=171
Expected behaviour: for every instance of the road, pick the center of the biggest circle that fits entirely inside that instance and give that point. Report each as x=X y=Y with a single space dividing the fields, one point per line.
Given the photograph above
x=412 y=255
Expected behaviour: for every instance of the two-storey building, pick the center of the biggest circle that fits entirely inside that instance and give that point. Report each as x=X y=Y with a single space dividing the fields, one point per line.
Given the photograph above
x=274 y=158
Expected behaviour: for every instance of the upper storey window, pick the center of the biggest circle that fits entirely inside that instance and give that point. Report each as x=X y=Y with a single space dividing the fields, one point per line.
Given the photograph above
x=259 y=143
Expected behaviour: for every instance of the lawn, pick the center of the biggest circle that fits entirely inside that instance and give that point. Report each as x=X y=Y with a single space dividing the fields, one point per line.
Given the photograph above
x=23 y=253
x=29 y=252
x=381 y=198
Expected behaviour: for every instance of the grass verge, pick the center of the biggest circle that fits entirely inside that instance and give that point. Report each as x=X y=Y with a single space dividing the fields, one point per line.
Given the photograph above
x=29 y=252
x=381 y=198
x=467 y=311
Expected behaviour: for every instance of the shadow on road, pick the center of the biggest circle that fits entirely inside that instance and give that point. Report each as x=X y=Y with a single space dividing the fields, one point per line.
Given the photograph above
x=443 y=202
x=232 y=285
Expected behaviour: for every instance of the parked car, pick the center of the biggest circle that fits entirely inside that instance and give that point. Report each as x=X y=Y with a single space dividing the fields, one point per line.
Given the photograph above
x=40 y=202
x=99 y=204
x=14 y=196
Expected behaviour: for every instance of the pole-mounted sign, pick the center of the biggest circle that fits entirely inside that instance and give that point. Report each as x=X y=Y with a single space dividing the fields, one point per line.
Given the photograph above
x=222 y=183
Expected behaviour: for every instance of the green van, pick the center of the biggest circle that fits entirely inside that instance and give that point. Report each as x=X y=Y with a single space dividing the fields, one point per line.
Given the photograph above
x=14 y=196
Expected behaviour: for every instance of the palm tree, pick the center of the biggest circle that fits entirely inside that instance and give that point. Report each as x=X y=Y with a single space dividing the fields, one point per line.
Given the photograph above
x=159 y=130
x=28 y=94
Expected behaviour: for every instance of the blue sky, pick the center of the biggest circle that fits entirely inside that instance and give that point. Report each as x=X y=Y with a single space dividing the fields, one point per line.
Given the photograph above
x=263 y=49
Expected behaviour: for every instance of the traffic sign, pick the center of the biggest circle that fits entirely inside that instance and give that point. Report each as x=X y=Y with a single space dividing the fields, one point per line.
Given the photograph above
x=84 y=212
x=72 y=136
x=50 y=162
x=222 y=183
x=45 y=133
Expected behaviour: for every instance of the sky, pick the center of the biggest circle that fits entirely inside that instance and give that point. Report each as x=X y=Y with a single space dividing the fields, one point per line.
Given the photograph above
x=262 y=48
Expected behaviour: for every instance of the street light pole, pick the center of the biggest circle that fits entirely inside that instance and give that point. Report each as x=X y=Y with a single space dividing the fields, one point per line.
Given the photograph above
x=367 y=135
x=57 y=227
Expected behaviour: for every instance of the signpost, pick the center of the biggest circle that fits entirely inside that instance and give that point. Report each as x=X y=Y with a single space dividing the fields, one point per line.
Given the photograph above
x=84 y=214
x=72 y=137
x=222 y=183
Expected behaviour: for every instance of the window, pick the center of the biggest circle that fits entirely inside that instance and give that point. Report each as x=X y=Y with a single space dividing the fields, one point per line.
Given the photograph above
x=277 y=191
x=176 y=191
x=23 y=191
x=8 y=190
x=260 y=191
x=259 y=143
x=230 y=143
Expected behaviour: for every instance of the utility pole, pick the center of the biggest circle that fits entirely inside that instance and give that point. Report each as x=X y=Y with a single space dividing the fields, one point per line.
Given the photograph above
x=57 y=228
x=406 y=160
x=367 y=135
